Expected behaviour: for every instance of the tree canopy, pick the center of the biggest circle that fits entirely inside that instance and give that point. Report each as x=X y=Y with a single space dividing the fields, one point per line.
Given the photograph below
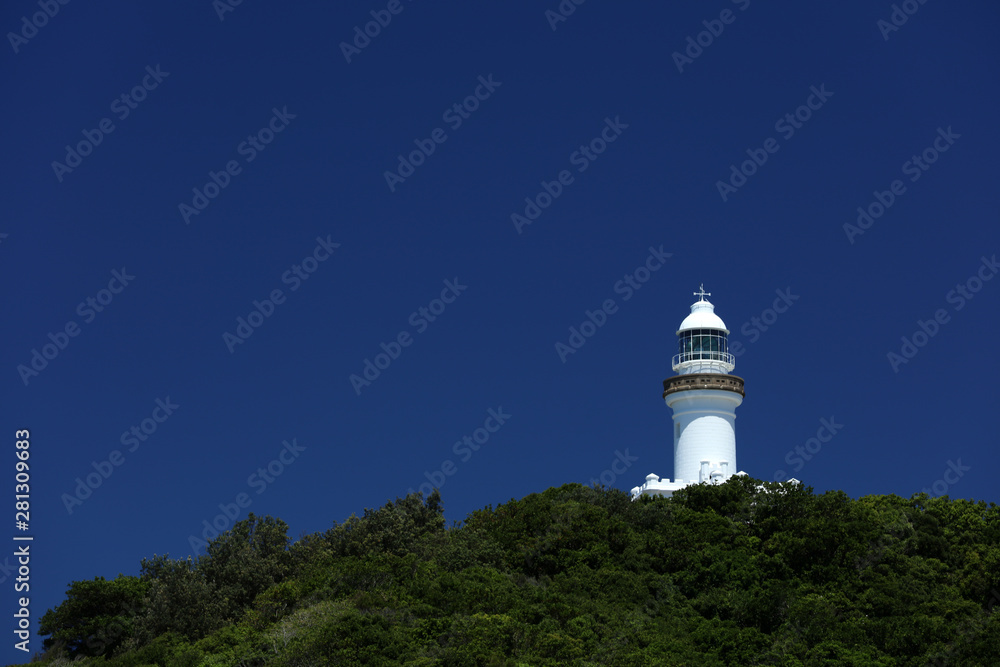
x=743 y=573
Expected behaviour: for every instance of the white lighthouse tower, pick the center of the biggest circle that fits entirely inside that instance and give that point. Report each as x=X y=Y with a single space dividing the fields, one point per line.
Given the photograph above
x=703 y=397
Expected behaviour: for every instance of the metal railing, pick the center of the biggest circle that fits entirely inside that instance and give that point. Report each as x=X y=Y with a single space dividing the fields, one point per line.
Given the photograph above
x=724 y=357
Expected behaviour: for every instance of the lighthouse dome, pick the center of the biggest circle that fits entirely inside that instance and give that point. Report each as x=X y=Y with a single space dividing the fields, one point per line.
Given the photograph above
x=702 y=317
x=702 y=341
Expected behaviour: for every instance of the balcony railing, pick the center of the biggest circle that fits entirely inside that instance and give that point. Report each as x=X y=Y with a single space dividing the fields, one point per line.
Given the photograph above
x=724 y=357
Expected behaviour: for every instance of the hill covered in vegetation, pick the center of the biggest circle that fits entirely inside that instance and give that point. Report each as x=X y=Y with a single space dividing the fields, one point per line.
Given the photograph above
x=735 y=574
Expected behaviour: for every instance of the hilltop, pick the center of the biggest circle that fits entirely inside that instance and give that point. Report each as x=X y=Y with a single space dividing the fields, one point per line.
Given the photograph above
x=743 y=573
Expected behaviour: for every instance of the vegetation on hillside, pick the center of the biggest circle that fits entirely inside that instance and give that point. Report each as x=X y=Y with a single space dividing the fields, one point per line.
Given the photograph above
x=735 y=574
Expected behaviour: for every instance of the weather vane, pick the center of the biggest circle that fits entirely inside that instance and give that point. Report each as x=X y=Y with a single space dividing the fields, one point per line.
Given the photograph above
x=703 y=293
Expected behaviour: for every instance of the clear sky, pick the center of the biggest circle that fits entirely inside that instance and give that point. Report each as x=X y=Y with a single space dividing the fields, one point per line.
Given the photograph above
x=216 y=215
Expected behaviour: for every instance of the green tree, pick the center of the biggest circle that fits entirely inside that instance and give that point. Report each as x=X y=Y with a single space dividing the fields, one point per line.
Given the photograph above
x=97 y=616
x=180 y=600
x=245 y=561
x=746 y=572
x=391 y=529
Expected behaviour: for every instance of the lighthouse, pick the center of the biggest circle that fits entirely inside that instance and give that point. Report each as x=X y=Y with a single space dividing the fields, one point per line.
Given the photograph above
x=703 y=396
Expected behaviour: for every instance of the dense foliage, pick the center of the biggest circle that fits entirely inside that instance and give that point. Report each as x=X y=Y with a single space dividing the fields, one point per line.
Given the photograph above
x=736 y=574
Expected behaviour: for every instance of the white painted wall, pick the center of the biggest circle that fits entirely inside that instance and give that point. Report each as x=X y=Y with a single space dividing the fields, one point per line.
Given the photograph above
x=707 y=419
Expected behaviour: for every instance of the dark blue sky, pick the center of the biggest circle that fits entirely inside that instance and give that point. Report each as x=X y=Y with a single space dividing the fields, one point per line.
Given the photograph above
x=207 y=164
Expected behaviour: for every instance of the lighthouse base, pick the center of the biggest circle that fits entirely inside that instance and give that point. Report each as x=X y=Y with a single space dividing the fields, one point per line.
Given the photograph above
x=655 y=486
